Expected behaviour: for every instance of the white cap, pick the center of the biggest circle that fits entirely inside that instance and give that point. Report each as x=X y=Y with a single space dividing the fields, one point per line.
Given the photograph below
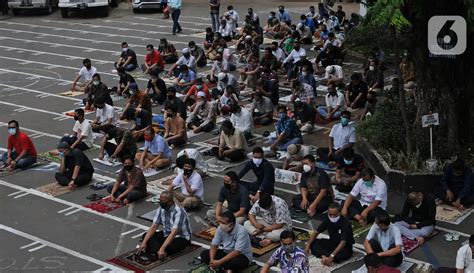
x=221 y=76
x=182 y=81
x=201 y=94
x=329 y=69
x=248 y=37
x=185 y=50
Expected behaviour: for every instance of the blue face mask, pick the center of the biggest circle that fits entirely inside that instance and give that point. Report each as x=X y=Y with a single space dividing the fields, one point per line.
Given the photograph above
x=282 y=115
x=61 y=154
x=12 y=131
x=344 y=121
x=368 y=183
x=347 y=162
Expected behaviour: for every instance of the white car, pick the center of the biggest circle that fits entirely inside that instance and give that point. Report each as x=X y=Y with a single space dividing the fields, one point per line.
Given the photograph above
x=141 y=5
x=103 y=5
x=17 y=5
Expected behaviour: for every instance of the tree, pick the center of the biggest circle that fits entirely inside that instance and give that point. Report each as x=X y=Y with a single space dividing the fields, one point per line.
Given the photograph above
x=444 y=85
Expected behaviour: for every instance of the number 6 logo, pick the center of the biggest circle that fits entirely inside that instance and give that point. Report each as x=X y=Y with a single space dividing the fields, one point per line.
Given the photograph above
x=447 y=35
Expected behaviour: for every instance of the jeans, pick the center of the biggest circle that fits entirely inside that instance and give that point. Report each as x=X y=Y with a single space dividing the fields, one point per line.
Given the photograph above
x=22 y=163
x=128 y=67
x=215 y=21
x=71 y=139
x=284 y=145
x=411 y=234
x=132 y=196
x=236 y=264
x=175 y=13
x=323 y=111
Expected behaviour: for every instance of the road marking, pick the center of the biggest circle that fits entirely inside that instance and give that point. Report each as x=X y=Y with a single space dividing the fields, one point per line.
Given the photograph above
x=180 y=21
x=130 y=231
x=66 y=209
x=17 y=192
x=30 y=244
x=72 y=212
x=36 y=248
x=21 y=195
x=145 y=24
x=33 y=131
x=61 y=248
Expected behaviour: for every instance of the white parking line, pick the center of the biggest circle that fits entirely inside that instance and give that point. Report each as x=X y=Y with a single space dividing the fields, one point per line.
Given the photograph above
x=130 y=231
x=36 y=248
x=30 y=244
x=17 y=192
x=61 y=248
x=66 y=209
x=151 y=25
x=21 y=195
x=180 y=21
x=33 y=131
x=72 y=212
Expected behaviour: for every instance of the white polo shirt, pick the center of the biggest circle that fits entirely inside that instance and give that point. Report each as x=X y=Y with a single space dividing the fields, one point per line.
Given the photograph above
x=84 y=129
x=87 y=74
x=105 y=113
x=195 y=181
x=464 y=259
x=335 y=101
x=342 y=135
x=243 y=121
x=378 y=192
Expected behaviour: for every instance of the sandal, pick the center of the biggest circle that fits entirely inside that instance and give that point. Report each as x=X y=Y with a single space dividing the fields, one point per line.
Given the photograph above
x=196 y=261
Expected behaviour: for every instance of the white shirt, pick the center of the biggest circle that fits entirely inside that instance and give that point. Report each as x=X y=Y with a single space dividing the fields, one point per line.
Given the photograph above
x=234 y=15
x=243 y=121
x=342 y=135
x=304 y=151
x=279 y=54
x=464 y=259
x=338 y=73
x=84 y=129
x=190 y=62
x=196 y=155
x=295 y=55
x=105 y=113
x=226 y=31
x=87 y=74
x=195 y=182
x=378 y=192
x=385 y=238
x=335 y=101
x=334 y=42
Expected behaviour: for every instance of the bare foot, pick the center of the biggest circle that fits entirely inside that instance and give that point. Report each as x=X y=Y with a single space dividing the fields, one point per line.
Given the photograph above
x=265 y=242
x=420 y=240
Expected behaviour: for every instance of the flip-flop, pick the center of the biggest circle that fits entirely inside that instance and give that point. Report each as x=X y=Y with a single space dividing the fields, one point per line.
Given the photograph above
x=195 y=261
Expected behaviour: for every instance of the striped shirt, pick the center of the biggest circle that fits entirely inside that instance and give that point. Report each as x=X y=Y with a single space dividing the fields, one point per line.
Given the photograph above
x=174 y=217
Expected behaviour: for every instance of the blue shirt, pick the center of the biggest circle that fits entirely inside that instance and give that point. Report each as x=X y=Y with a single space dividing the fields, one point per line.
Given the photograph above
x=158 y=145
x=289 y=128
x=174 y=217
x=174 y=4
x=238 y=239
x=310 y=23
x=190 y=76
x=284 y=17
x=386 y=238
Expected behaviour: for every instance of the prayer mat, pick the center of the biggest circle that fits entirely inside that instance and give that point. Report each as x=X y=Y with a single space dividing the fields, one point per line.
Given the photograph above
x=107 y=163
x=331 y=166
x=161 y=184
x=71 y=93
x=299 y=216
x=359 y=230
x=315 y=265
x=404 y=267
x=149 y=216
x=213 y=141
x=218 y=166
x=258 y=250
x=54 y=189
x=152 y=172
x=39 y=162
x=410 y=245
x=191 y=134
x=450 y=214
x=204 y=268
x=104 y=205
x=206 y=234
x=129 y=259
x=287 y=177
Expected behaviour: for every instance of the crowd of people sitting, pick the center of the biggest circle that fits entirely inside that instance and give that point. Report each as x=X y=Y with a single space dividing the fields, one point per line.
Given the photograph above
x=246 y=212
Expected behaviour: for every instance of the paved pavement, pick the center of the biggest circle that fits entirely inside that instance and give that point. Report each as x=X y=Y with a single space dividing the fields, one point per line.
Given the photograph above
x=39 y=57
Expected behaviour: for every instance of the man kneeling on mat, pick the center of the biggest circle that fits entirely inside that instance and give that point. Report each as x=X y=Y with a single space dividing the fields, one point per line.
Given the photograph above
x=75 y=169
x=175 y=234
x=338 y=247
x=236 y=252
x=134 y=187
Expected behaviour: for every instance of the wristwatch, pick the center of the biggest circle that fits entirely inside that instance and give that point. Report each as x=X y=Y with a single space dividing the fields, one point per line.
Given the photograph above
x=331 y=255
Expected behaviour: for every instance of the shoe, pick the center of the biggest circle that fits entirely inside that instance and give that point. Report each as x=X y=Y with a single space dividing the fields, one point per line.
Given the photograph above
x=179 y=31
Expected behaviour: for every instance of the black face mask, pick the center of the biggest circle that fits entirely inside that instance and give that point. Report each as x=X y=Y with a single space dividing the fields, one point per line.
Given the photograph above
x=228 y=186
x=170 y=97
x=164 y=205
x=76 y=118
x=128 y=167
x=297 y=48
x=187 y=172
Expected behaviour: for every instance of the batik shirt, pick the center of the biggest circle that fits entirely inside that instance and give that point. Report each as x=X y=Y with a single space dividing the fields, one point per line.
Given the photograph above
x=294 y=262
x=278 y=212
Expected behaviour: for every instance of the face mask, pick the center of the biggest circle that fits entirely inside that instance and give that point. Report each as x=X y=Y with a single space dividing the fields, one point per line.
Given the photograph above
x=199 y=87
x=88 y=66
x=61 y=154
x=306 y=168
x=99 y=106
x=170 y=97
x=132 y=92
x=289 y=248
x=347 y=162
x=257 y=161
x=187 y=172
x=148 y=52
x=76 y=118
x=148 y=138
x=297 y=48
x=163 y=205
x=228 y=186
x=281 y=10
x=270 y=17
x=125 y=49
x=371 y=68
x=334 y=219
x=282 y=115
x=226 y=228
x=304 y=73
x=186 y=55
x=170 y=115
x=418 y=206
x=96 y=83
x=368 y=183
x=128 y=167
x=344 y=121
x=12 y=131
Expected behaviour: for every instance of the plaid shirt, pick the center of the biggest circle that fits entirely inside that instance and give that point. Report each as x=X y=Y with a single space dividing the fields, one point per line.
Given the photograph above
x=306 y=93
x=174 y=217
x=288 y=127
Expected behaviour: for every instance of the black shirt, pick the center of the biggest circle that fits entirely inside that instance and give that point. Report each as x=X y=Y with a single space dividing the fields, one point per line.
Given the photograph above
x=425 y=215
x=75 y=158
x=236 y=200
x=339 y=231
x=129 y=53
x=127 y=78
x=143 y=119
x=354 y=91
x=306 y=114
x=265 y=174
x=181 y=108
x=316 y=181
x=356 y=166
x=159 y=91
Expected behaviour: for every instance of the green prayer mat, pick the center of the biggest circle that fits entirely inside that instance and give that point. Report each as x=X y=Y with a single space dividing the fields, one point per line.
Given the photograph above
x=359 y=230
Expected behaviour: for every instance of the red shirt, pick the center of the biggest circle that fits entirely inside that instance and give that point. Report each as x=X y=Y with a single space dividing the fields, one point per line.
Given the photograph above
x=21 y=142
x=153 y=58
x=193 y=91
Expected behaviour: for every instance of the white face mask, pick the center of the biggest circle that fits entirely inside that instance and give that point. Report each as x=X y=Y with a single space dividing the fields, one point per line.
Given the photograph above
x=304 y=73
x=419 y=205
x=125 y=49
x=371 y=68
x=306 y=168
x=257 y=161
x=334 y=219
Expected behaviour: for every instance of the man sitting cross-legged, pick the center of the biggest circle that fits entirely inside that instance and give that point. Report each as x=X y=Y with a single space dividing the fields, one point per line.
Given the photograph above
x=236 y=252
x=268 y=218
x=338 y=247
x=237 y=197
x=156 y=154
x=192 y=189
x=75 y=169
x=349 y=166
x=175 y=234
x=232 y=143
x=134 y=183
